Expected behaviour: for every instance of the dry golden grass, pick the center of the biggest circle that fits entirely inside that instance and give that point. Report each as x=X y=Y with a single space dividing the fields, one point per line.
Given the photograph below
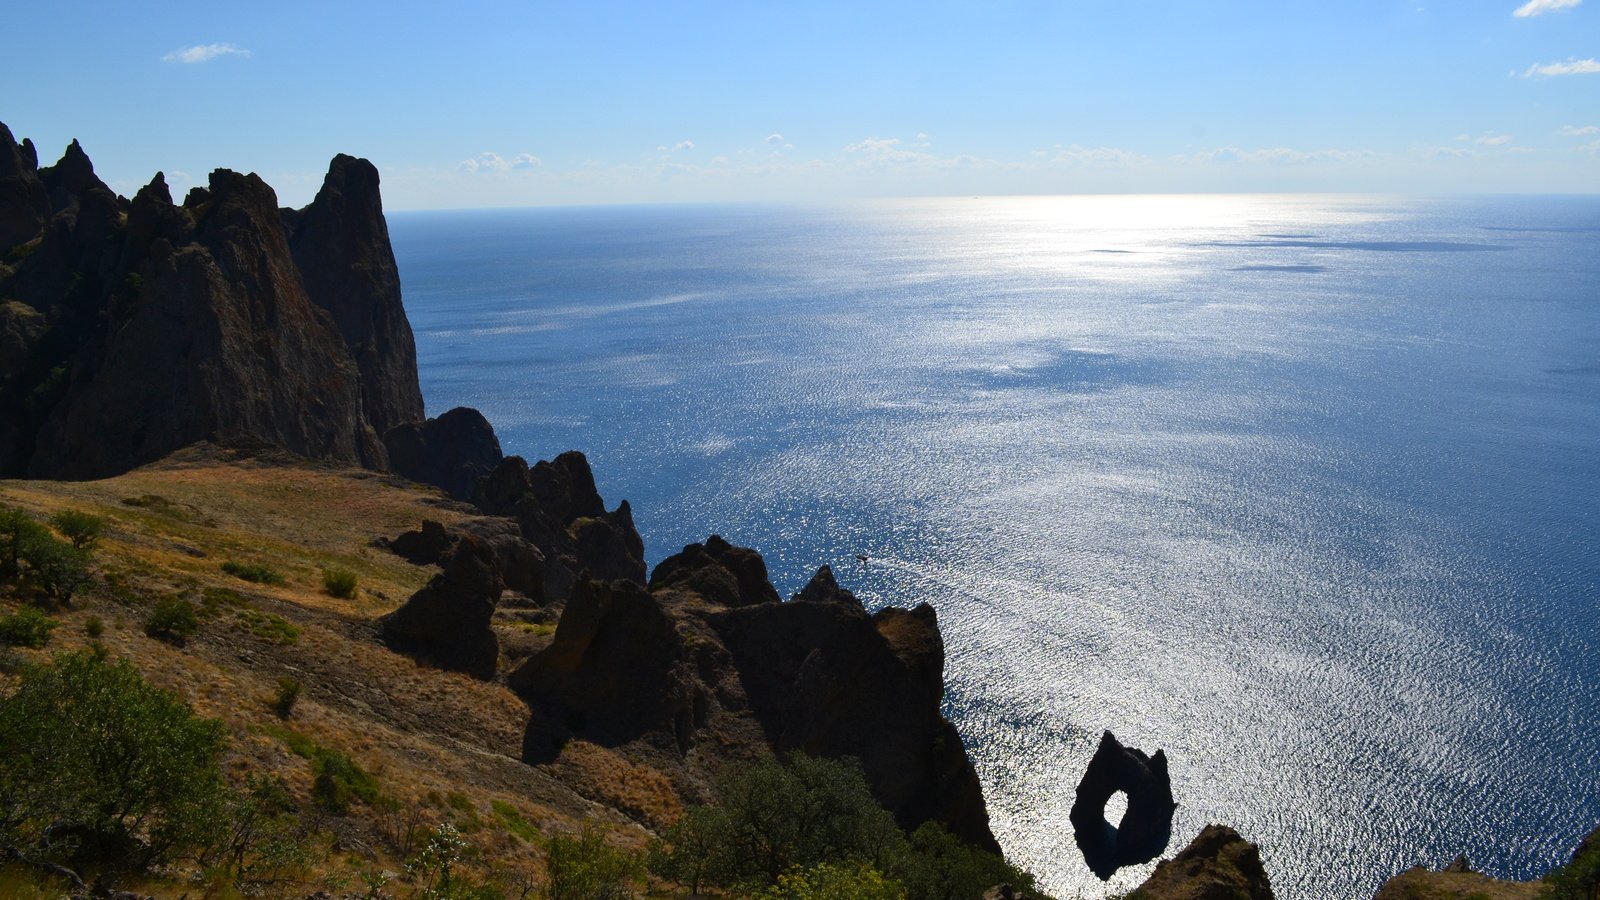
x=430 y=737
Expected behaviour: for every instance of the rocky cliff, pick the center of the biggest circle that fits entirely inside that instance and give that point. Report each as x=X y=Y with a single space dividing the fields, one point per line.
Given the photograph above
x=131 y=328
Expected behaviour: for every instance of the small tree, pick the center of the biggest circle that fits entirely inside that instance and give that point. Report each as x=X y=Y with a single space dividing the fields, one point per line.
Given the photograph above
x=692 y=851
x=17 y=531
x=588 y=868
x=98 y=767
x=81 y=528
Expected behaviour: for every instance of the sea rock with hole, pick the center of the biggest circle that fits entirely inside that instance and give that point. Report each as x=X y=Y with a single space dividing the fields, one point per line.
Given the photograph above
x=1145 y=828
x=447 y=623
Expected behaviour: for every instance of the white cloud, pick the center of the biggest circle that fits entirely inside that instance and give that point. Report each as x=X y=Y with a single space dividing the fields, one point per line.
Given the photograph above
x=200 y=53
x=1574 y=131
x=1540 y=7
x=1280 y=156
x=885 y=150
x=494 y=162
x=1495 y=140
x=773 y=138
x=1570 y=67
x=1076 y=155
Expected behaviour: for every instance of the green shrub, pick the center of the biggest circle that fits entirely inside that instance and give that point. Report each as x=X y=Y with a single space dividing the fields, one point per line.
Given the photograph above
x=338 y=780
x=588 y=868
x=833 y=881
x=17 y=531
x=287 y=695
x=940 y=866
x=98 y=767
x=269 y=627
x=81 y=528
x=252 y=572
x=28 y=627
x=339 y=583
x=173 y=620
x=94 y=627
x=264 y=847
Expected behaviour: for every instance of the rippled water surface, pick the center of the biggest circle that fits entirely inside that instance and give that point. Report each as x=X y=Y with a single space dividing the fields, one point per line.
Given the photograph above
x=1301 y=489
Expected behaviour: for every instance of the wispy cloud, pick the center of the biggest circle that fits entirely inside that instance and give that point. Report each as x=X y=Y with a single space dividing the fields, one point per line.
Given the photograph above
x=773 y=138
x=1281 y=156
x=1570 y=67
x=200 y=53
x=1540 y=7
x=885 y=150
x=676 y=148
x=1575 y=131
x=1494 y=140
x=1076 y=155
x=494 y=162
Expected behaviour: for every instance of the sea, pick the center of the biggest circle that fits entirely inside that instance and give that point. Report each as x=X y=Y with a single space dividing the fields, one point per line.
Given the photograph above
x=1301 y=489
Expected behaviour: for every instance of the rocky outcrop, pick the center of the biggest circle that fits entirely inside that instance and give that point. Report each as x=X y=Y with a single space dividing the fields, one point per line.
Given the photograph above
x=453 y=451
x=1145 y=828
x=719 y=572
x=340 y=244
x=615 y=673
x=1217 y=865
x=447 y=623
x=520 y=564
x=710 y=657
x=24 y=205
x=559 y=511
x=155 y=325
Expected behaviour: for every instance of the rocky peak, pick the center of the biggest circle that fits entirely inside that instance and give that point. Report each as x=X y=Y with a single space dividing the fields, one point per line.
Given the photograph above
x=824 y=588
x=719 y=572
x=1217 y=865
x=340 y=242
x=24 y=204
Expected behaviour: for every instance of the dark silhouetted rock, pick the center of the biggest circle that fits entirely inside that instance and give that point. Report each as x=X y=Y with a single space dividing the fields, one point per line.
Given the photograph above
x=447 y=622
x=825 y=678
x=451 y=452
x=1145 y=828
x=614 y=672
x=168 y=325
x=341 y=245
x=556 y=505
x=719 y=572
x=823 y=588
x=520 y=563
x=24 y=205
x=1217 y=865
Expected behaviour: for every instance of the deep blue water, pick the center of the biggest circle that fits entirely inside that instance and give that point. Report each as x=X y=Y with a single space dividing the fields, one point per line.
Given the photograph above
x=1301 y=489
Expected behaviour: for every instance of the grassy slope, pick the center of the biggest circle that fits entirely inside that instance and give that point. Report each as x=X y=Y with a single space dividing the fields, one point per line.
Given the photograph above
x=444 y=745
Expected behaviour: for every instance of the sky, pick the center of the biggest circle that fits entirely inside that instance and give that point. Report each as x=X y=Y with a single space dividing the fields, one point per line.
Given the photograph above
x=481 y=104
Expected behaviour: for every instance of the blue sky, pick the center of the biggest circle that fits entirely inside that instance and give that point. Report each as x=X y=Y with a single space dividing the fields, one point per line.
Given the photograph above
x=497 y=104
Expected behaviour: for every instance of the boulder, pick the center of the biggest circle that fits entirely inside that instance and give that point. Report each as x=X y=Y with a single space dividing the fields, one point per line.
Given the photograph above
x=447 y=623
x=614 y=673
x=719 y=572
x=1217 y=865
x=520 y=564
x=1145 y=828
x=451 y=452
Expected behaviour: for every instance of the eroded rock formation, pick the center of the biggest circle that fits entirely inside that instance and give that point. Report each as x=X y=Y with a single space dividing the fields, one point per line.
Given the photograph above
x=132 y=328
x=1145 y=828
x=710 y=650
x=452 y=451
x=447 y=623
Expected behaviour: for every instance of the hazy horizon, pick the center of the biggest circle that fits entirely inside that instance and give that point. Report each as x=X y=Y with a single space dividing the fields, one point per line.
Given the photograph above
x=612 y=103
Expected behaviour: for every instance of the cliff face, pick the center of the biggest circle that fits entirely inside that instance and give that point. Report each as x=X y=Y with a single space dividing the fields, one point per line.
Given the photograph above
x=130 y=329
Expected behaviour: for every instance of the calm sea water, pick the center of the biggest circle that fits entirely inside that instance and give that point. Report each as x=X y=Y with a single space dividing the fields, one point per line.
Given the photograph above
x=1301 y=489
